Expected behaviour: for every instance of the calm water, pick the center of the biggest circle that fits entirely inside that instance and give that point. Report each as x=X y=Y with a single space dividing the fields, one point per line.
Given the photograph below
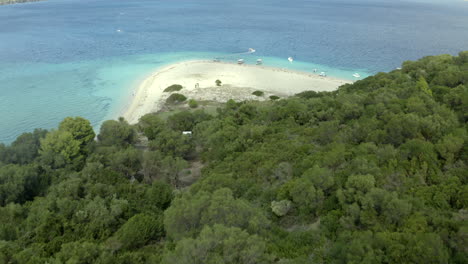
x=80 y=57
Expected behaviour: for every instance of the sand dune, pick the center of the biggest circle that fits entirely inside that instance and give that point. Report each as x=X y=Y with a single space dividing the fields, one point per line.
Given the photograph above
x=238 y=83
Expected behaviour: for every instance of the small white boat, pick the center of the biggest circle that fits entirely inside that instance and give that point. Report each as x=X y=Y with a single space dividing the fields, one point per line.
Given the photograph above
x=251 y=50
x=357 y=75
x=240 y=61
x=119 y=30
x=290 y=59
x=259 y=62
x=323 y=74
x=399 y=68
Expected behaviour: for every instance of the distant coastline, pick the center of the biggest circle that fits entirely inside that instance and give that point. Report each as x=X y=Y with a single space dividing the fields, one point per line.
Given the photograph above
x=238 y=83
x=9 y=2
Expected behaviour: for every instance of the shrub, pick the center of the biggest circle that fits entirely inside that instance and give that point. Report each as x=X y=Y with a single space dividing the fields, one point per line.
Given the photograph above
x=176 y=98
x=258 y=93
x=310 y=94
x=281 y=208
x=274 y=97
x=218 y=83
x=173 y=88
x=193 y=103
x=137 y=231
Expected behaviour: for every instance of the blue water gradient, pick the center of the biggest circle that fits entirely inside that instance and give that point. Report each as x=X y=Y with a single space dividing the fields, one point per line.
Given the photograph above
x=81 y=57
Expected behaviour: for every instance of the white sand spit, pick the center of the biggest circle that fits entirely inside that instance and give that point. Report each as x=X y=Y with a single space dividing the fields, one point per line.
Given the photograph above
x=238 y=82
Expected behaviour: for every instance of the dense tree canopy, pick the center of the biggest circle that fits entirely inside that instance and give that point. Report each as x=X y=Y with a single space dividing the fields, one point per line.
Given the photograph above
x=219 y=244
x=375 y=172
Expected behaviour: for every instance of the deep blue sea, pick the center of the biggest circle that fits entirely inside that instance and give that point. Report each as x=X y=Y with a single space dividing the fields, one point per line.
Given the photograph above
x=63 y=58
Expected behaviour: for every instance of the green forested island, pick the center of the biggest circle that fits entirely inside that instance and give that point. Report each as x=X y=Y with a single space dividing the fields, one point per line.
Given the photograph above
x=6 y=2
x=375 y=172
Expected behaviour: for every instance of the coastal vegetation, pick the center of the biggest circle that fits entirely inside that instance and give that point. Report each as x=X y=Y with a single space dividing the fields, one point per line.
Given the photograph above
x=193 y=103
x=375 y=172
x=218 y=83
x=258 y=93
x=173 y=88
x=274 y=97
x=176 y=98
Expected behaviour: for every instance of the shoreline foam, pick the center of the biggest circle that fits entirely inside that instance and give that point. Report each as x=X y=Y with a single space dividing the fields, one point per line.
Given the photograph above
x=149 y=96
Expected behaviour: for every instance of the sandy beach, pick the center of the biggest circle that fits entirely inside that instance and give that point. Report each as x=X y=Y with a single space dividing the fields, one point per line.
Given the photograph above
x=238 y=82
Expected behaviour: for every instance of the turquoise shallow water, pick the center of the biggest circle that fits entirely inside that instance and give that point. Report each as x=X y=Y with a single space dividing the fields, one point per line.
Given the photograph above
x=63 y=58
x=98 y=90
